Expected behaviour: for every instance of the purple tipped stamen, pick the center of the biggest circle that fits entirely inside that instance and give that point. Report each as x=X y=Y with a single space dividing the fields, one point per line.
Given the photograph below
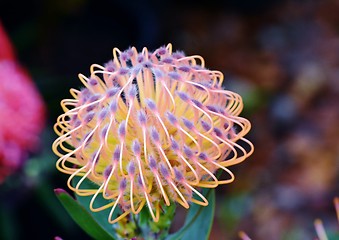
x=158 y=73
x=124 y=56
x=122 y=129
x=136 y=69
x=132 y=91
x=76 y=124
x=136 y=147
x=188 y=152
x=89 y=117
x=217 y=132
x=184 y=68
x=102 y=114
x=110 y=66
x=94 y=98
x=147 y=64
x=152 y=163
x=164 y=171
x=171 y=118
x=84 y=95
x=155 y=135
x=212 y=108
x=123 y=185
x=95 y=157
x=188 y=123
x=151 y=104
x=107 y=171
x=140 y=181
x=206 y=126
x=222 y=111
x=104 y=132
x=174 y=145
x=93 y=82
x=142 y=117
x=131 y=168
x=203 y=156
x=123 y=71
x=87 y=139
x=130 y=52
x=178 y=54
x=140 y=58
x=162 y=51
x=197 y=103
x=167 y=60
x=116 y=153
x=178 y=175
x=114 y=106
x=91 y=107
x=183 y=96
x=174 y=75
x=112 y=91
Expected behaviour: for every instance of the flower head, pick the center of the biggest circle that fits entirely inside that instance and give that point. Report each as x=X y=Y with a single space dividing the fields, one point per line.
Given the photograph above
x=22 y=111
x=150 y=128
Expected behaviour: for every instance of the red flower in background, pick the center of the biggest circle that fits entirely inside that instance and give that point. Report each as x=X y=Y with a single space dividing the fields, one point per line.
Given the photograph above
x=6 y=48
x=21 y=111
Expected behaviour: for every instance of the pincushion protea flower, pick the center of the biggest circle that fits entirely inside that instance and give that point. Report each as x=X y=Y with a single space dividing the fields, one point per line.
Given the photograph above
x=21 y=108
x=150 y=128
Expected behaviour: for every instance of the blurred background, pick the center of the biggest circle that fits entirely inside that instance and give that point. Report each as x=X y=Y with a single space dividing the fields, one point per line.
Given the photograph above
x=281 y=56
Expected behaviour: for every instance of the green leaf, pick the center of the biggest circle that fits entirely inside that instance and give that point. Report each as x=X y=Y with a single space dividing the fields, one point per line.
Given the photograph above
x=81 y=216
x=199 y=220
x=102 y=216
